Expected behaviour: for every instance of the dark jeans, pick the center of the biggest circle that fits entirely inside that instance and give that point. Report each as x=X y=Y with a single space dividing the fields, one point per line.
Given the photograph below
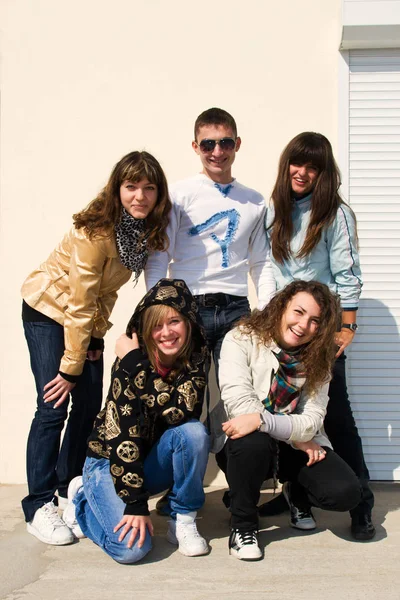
x=247 y=462
x=343 y=434
x=48 y=467
x=219 y=313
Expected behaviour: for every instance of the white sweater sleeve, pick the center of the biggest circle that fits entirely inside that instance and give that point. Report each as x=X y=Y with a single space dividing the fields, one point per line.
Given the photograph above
x=260 y=263
x=157 y=263
x=278 y=426
x=237 y=392
x=308 y=419
x=302 y=425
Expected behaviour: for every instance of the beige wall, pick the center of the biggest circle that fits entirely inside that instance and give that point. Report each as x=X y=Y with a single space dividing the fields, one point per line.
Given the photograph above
x=82 y=83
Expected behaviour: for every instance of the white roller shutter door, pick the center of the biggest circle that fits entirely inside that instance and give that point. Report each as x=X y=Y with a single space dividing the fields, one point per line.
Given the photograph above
x=374 y=195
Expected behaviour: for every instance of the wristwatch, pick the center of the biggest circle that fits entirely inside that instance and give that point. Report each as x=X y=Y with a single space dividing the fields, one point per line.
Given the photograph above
x=351 y=326
x=262 y=426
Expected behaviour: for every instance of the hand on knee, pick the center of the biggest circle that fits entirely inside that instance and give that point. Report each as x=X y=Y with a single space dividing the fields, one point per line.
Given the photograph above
x=120 y=552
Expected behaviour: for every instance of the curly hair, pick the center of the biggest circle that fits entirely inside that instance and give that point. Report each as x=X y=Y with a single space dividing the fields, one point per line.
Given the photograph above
x=318 y=355
x=314 y=149
x=104 y=212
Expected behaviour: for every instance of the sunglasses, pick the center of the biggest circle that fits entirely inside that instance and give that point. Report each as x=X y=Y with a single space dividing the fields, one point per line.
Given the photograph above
x=225 y=143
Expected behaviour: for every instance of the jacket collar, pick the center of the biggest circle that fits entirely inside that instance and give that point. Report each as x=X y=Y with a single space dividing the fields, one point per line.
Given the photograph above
x=303 y=202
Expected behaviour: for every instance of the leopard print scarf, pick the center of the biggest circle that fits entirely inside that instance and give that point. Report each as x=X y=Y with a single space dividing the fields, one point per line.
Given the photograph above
x=131 y=239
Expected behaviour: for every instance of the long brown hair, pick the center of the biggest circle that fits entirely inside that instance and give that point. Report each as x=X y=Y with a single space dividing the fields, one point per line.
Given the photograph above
x=104 y=212
x=305 y=148
x=150 y=318
x=318 y=355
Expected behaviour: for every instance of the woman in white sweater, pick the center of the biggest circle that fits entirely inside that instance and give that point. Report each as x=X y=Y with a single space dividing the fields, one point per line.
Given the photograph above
x=274 y=372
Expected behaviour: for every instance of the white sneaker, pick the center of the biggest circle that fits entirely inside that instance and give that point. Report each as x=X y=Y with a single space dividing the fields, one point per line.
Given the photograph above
x=48 y=526
x=244 y=545
x=62 y=502
x=69 y=516
x=183 y=532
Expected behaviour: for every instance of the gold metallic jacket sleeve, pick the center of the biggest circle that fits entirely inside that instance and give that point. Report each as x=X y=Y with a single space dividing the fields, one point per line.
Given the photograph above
x=86 y=270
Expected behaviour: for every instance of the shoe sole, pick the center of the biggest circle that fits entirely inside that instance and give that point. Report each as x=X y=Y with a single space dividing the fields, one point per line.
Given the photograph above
x=302 y=528
x=363 y=537
x=201 y=553
x=235 y=553
x=40 y=537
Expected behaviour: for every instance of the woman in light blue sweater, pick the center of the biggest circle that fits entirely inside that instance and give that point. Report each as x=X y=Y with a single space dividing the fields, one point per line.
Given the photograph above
x=313 y=235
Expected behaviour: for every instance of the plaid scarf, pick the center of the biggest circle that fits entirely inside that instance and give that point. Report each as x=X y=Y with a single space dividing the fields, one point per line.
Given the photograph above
x=286 y=384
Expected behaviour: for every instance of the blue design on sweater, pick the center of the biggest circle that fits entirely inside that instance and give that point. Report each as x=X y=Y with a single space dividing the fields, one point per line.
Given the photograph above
x=224 y=189
x=233 y=222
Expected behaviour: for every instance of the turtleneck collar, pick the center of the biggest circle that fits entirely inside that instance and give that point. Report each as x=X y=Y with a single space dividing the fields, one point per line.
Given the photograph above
x=302 y=200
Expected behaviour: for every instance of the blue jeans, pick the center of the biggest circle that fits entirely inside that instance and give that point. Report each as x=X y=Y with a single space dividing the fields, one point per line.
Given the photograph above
x=48 y=467
x=219 y=313
x=178 y=460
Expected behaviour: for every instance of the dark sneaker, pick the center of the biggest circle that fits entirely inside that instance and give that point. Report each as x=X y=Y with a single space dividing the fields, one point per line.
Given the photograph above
x=300 y=518
x=362 y=527
x=276 y=506
x=244 y=545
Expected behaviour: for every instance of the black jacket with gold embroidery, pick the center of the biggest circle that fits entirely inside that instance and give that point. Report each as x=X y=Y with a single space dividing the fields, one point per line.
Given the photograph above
x=141 y=405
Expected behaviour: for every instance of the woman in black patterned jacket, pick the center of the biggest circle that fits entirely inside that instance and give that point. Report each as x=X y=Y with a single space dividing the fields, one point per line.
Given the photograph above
x=148 y=437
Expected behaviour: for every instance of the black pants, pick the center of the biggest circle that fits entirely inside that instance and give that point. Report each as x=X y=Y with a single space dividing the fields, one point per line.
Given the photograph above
x=343 y=434
x=248 y=461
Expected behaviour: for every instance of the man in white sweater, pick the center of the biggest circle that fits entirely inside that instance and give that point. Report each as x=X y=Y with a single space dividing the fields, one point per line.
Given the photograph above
x=216 y=233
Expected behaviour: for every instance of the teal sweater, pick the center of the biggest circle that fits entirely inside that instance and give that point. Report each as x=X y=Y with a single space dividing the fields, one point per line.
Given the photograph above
x=334 y=260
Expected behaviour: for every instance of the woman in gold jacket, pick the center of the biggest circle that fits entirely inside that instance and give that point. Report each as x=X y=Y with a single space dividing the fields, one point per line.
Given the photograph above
x=66 y=305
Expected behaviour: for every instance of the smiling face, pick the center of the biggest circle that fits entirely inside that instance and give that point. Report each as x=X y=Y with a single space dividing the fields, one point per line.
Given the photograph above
x=217 y=164
x=300 y=321
x=303 y=178
x=138 y=198
x=169 y=336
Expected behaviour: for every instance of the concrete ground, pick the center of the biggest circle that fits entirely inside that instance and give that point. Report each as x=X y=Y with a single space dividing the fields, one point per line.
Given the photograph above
x=322 y=565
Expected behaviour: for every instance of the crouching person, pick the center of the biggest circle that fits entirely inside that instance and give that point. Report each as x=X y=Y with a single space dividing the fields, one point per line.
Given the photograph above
x=148 y=438
x=274 y=372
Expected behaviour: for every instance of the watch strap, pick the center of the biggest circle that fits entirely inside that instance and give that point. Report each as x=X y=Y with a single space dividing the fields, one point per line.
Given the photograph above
x=351 y=326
